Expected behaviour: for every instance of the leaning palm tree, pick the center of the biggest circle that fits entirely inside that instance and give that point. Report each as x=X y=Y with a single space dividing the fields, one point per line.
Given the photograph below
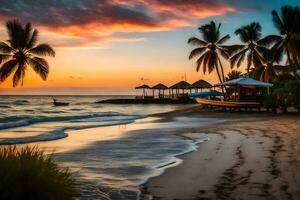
x=288 y=25
x=249 y=35
x=209 y=48
x=20 y=51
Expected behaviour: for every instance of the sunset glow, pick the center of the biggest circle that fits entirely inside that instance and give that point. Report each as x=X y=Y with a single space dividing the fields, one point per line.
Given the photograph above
x=120 y=44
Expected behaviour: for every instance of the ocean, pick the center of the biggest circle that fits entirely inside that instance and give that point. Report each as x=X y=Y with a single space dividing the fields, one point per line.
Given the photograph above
x=106 y=166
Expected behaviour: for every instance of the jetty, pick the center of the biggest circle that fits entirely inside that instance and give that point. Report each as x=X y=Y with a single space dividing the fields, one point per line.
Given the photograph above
x=178 y=93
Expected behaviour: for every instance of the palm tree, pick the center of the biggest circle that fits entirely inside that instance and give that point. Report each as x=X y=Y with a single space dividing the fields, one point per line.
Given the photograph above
x=233 y=75
x=288 y=25
x=209 y=49
x=270 y=69
x=20 y=51
x=249 y=35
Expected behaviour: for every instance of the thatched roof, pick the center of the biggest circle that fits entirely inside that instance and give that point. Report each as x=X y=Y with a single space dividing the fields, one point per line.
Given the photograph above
x=200 y=84
x=160 y=86
x=143 y=87
x=180 y=85
x=246 y=81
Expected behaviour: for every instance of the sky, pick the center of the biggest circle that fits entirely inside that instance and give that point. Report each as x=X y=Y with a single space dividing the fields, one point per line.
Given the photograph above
x=111 y=46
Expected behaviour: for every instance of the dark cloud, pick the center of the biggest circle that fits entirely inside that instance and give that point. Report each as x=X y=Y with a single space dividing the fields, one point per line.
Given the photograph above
x=99 y=20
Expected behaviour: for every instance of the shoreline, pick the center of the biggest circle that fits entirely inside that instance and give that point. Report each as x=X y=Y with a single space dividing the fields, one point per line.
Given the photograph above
x=191 y=122
x=169 y=184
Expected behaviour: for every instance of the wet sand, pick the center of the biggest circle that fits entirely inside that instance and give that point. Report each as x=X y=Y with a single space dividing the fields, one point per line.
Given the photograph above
x=252 y=156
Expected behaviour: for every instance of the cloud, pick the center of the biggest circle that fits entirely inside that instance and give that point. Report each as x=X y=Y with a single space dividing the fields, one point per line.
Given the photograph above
x=72 y=23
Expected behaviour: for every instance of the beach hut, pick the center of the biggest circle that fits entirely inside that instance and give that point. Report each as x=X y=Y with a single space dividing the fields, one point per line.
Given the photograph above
x=200 y=84
x=160 y=87
x=182 y=85
x=247 y=94
x=144 y=88
x=245 y=88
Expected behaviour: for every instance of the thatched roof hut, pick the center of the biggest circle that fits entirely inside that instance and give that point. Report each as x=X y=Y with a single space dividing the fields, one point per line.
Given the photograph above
x=143 y=87
x=200 y=85
x=180 y=85
x=160 y=86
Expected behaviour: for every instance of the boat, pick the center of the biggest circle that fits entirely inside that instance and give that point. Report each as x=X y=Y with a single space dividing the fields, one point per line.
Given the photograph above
x=228 y=104
x=247 y=94
x=56 y=103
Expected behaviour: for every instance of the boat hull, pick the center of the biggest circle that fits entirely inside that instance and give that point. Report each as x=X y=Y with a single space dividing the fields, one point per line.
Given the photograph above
x=229 y=104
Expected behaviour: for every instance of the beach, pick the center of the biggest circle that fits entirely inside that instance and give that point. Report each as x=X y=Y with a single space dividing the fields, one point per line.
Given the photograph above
x=163 y=152
x=254 y=158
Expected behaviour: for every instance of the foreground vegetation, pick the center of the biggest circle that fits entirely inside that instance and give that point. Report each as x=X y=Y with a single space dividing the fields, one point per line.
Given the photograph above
x=273 y=58
x=27 y=173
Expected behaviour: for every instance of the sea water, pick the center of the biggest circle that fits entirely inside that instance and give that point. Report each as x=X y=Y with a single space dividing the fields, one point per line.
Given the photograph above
x=109 y=169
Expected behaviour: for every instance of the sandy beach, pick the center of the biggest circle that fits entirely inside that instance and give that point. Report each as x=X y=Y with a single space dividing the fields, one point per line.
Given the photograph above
x=241 y=155
x=252 y=156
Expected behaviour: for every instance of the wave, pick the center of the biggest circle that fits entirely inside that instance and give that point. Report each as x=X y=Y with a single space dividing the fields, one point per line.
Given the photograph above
x=16 y=121
x=20 y=102
x=57 y=134
x=2 y=106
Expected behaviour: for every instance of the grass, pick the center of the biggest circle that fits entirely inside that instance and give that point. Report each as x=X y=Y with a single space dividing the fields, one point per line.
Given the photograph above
x=27 y=173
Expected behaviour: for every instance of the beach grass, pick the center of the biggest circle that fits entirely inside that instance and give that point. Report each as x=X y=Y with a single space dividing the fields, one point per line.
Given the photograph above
x=27 y=173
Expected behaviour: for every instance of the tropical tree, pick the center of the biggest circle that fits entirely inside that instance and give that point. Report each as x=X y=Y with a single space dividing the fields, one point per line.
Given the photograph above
x=233 y=75
x=20 y=51
x=270 y=69
x=250 y=36
x=288 y=24
x=209 y=49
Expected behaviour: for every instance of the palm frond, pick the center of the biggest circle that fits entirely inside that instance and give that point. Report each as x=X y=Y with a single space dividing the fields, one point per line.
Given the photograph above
x=223 y=51
x=224 y=39
x=206 y=61
x=4 y=57
x=27 y=34
x=200 y=62
x=277 y=22
x=249 y=61
x=240 y=60
x=33 y=40
x=5 y=48
x=256 y=59
x=16 y=34
x=43 y=50
x=236 y=56
x=232 y=49
x=196 y=52
x=6 y=69
x=268 y=74
x=241 y=32
x=197 y=41
x=269 y=40
x=19 y=75
x=212 y=62
x=40 y=66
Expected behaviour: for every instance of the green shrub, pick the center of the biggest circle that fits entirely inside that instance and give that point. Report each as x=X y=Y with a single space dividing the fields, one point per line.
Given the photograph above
x=270 y=102
x=285 y=94
x=27 y=173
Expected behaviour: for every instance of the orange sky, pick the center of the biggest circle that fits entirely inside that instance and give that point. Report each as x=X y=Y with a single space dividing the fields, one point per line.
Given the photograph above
x=114 y=44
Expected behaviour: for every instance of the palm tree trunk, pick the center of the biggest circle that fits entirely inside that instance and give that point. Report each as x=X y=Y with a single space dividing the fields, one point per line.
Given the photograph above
x=222 y=70
x=220 y=79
